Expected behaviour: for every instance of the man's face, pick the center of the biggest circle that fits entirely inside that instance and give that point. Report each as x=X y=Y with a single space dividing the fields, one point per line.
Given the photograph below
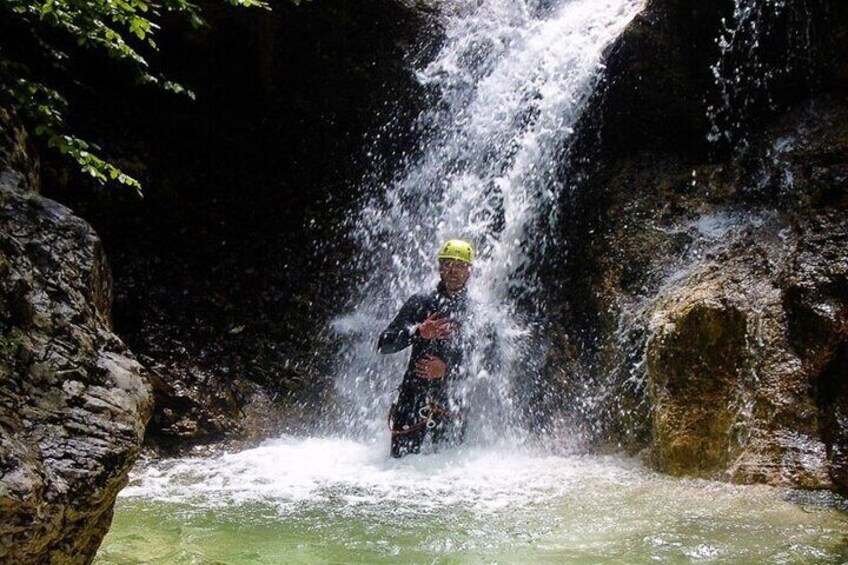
x=454 y=273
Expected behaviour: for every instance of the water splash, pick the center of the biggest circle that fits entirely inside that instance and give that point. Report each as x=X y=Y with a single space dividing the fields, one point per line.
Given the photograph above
x=509 y=85
x=312 y=500
x=765 y=43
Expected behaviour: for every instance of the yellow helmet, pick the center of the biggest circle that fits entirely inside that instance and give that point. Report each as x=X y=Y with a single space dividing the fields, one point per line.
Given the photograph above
x=457 y=249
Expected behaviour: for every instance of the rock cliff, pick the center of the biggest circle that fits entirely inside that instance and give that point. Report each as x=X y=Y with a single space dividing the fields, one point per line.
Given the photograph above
x=703 y=287
x=73 y=401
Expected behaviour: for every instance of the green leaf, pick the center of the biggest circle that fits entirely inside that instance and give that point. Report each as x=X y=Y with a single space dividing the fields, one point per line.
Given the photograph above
x=103 y=25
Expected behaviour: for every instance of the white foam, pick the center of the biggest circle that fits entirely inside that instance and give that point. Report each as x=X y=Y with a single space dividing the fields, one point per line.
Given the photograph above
x=293 y=497
x=291 y=471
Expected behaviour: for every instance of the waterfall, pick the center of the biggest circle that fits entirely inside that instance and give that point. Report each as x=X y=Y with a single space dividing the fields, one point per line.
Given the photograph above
x=509 y=85
x=508 y=88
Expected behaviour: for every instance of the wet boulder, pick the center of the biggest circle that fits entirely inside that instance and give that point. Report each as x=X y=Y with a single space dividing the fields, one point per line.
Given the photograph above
x=730 y=398
x=73 y=400
x=706 y=304
x=816 y=302
x=696 y=352
x=701 y=279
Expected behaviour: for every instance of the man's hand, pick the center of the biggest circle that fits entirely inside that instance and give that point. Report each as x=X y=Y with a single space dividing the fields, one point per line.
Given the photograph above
x=435 y=328
x=430 y=368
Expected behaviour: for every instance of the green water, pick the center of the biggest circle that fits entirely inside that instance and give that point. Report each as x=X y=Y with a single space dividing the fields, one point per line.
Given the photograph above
x=356 y=506
x=744 y=532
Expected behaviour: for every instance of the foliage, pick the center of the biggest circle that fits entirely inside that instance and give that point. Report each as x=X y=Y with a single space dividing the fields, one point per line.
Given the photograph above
x=125 y=30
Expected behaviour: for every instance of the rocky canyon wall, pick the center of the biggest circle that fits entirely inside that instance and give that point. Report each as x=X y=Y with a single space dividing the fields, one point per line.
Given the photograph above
x=73 y=401
x=703 y=287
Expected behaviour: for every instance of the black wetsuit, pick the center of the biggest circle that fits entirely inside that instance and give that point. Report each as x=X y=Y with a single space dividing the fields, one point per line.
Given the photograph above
x=420 y=400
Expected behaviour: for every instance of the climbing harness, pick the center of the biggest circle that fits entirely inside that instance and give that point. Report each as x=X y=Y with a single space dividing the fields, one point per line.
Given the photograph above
x=426 y=414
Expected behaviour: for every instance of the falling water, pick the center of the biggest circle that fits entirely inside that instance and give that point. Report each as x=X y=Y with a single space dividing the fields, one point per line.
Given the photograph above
x=511 y=82
x=763 y=43
x=509 y=85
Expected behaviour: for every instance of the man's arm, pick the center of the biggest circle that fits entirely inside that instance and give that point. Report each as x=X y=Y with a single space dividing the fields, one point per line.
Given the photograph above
x=401 y=332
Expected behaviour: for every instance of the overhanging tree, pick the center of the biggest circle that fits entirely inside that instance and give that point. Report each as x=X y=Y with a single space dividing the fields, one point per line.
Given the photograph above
x=55 y=30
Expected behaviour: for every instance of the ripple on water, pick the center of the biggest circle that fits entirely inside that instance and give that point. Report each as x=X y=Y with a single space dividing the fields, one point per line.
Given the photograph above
x=324 y=500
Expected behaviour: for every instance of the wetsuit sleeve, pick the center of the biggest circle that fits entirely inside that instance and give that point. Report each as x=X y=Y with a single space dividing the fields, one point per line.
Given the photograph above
x=401 y=332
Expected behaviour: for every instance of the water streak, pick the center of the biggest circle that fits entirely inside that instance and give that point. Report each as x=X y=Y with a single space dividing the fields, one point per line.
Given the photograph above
x=510 y=84
x=763 y=44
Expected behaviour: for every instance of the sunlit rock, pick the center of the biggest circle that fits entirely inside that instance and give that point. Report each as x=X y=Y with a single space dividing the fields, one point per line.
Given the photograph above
x=702 y=287
x=729 y=397
x=725 y=291
x=695 y=358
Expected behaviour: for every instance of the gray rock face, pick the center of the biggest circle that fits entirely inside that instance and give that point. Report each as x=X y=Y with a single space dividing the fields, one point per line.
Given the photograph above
x=702 y=294
x=721 y=296
x=73 y=401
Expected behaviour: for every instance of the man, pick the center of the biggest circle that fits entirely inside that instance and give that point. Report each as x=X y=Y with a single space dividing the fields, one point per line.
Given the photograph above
x=432 y=324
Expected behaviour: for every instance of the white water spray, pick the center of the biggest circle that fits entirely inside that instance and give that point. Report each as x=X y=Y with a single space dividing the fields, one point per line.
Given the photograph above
x=745 y=74
x=512 y=80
